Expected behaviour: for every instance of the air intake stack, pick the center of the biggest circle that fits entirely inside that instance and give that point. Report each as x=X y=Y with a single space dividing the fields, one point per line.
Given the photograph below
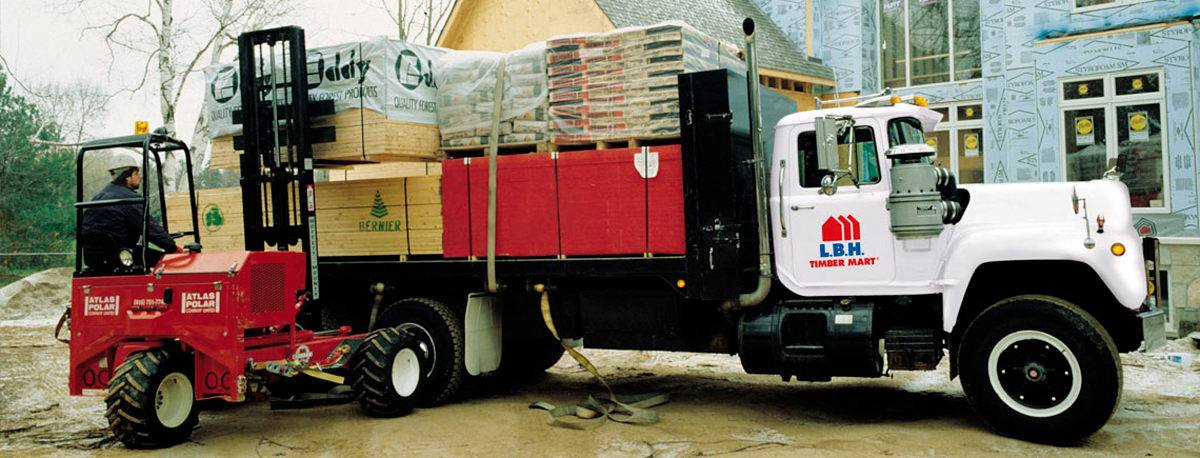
x=918 y=203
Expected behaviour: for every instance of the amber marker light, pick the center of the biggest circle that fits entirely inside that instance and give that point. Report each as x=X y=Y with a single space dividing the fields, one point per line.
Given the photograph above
x=680 y=284
x=1118 y=249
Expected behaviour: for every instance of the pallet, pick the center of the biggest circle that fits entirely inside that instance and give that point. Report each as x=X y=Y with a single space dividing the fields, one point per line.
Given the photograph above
x=455 y=152
x=634 y=142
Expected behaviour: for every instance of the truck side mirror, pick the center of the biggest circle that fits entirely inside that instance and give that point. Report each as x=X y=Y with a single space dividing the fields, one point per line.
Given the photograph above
x=829 y=184
x=827 y=149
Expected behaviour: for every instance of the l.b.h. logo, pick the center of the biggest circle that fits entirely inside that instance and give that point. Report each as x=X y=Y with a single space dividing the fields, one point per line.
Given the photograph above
x=841 y=244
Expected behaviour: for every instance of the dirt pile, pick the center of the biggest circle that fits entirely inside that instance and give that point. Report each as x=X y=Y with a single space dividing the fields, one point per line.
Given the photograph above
x=41 y=295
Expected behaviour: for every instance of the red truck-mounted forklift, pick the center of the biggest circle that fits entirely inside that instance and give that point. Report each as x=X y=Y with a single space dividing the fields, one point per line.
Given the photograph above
x=156 y=338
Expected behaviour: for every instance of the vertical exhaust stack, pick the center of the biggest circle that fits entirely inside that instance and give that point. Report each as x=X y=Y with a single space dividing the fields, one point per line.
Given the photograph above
x=765 y=272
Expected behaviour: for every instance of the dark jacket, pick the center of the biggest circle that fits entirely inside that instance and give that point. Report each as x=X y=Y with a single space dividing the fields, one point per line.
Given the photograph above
x=123 y=222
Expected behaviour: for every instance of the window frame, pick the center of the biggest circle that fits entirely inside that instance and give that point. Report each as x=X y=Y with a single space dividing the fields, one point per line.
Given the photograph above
x=1087 y=9
x=908 y=49
x=952 y=125
x=1109 y=103
x=879 y=159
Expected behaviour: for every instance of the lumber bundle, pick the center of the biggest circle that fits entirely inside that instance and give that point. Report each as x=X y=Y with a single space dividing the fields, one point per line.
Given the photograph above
x=395 y=216
x=363 y=136
x=622 y=84
x=383 y=94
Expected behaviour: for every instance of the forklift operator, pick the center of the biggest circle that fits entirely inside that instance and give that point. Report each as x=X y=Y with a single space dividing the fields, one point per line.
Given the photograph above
x=123 y=223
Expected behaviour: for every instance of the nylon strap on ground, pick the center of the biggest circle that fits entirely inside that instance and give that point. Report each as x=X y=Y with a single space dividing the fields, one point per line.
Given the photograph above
x=592 y=413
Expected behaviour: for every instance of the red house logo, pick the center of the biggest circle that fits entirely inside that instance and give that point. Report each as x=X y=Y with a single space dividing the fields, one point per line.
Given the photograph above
x=841 y=229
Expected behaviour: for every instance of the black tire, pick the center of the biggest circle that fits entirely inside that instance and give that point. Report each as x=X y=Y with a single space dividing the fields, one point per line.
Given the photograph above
x=439 y=332
x=334 y=316
x=528 y=357
x=1062 y=386
x=387 y=373
x=139 y=402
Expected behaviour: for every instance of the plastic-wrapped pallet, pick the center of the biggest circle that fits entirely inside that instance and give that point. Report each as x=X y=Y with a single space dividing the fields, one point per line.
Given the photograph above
x=467 y=96
x=622 y=84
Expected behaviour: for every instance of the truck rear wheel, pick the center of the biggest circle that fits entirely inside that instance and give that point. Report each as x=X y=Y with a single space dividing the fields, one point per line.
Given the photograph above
x=529 y=357
x=439 y=334
x=387 y=373
x=151 y=400
x=1040 y=369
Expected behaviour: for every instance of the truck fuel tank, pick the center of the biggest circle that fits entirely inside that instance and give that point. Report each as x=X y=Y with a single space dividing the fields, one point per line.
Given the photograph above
x=812 y=339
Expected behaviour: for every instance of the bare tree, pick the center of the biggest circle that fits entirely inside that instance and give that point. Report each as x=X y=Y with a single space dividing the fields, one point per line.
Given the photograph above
x=178 y=49
x=419 y=21
x=75 y=108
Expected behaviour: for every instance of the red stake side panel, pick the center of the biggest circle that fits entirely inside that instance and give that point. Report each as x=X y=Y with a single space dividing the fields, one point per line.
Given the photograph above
x=526 y=206
x=456 y=218
x=665 y=202
x=602 y=200
x=205 y=310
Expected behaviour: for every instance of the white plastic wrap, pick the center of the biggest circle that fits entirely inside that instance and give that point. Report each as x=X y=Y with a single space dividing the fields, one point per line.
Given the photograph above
x=392 y=77
x=466 y=95
x=622 y=84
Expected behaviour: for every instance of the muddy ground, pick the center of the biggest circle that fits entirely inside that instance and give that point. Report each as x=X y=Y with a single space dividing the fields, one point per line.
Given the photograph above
x=714 y=409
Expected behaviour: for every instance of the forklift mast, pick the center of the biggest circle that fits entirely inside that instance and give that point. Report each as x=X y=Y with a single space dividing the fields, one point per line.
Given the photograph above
x=278 y=200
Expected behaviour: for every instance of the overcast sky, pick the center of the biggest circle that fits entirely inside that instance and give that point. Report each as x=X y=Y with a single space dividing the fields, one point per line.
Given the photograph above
x=42 y=42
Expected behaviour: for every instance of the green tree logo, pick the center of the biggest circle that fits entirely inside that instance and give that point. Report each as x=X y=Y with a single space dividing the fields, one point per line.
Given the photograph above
x=379 y=209
x=213 y=219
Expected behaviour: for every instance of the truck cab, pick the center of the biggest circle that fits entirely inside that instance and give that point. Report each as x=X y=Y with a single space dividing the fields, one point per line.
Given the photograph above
x=885 y=261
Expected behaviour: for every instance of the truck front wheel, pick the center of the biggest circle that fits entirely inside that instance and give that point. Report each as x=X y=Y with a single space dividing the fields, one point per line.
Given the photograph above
x=1040 y=369
x=151 y=401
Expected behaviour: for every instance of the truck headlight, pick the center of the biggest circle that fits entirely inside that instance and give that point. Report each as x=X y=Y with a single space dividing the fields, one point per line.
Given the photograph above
x=126 y=258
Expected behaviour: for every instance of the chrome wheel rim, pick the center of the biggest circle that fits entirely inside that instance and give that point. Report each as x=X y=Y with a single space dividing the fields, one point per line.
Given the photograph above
x=1035 y=373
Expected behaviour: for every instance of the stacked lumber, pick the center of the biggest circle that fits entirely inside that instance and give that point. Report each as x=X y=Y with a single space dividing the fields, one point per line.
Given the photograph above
x=394 y=216
x=363 y=136
x=622 y=84
x=383 y=94
x=386 y=170
x=467 y=96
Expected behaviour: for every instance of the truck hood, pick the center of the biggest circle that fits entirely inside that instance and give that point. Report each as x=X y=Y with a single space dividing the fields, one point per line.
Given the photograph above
x=1049 y=204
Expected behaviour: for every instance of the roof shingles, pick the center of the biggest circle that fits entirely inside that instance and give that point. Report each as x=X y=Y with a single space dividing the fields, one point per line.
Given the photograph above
x=721 y=19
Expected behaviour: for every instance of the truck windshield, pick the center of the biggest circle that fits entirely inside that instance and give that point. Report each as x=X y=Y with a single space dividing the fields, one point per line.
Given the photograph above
x=905 y=131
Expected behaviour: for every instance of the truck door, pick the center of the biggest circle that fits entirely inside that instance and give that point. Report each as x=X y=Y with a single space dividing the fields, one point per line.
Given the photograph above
x=844 y=238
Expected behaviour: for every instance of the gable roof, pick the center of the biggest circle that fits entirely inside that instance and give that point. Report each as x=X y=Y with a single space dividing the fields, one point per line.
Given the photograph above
x=721 y=19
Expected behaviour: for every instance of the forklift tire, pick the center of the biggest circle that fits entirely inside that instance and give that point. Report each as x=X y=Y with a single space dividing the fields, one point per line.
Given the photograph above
x=1040 y=369
x=151 y=401
x=439 y=333
x=387 y=374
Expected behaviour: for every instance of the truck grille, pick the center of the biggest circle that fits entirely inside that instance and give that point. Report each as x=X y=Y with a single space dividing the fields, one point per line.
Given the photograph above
x=267 y=291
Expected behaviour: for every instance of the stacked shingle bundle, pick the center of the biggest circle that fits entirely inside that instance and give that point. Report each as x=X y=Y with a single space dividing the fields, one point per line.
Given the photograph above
x=622 y=84
x=467 y=96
